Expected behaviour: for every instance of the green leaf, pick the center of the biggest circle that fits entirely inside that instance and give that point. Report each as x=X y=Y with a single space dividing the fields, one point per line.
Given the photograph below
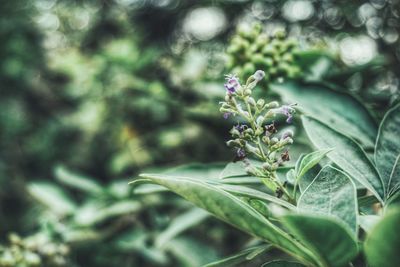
x=243 y=256
x=310 y=160
x=291 y=176
x=326 y=236
x=232 y=210
x=77 y=181
x=308 y=177
x=93 y=212
x=394 y=181
x=252 y=193
x=180 y=224
x=382 y=245
x=148 y=189
x=332 y=193
x=53 y=197
x=233 y=169
x=197 y=170
x=191 y=252
x=237 y=169
x=347 y=154
x=366 y=201
x=387 y=148
x=282 y=263
x=340 y=110
x=136 y=240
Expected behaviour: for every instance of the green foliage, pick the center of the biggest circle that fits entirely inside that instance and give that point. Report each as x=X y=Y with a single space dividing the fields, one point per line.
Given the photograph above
x=339 y=110
x=241 y=257
x=332 y=193
x=309 y=161
x=232 y=210
x=327 y=238
x=387 y=151
x=93 y=92
x=347 y=154
x=382 y=243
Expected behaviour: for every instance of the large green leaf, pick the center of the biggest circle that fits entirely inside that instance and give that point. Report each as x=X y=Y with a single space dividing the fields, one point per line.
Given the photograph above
x=252 y=193
x=197 y=170
x=388 y=147
x=326 y=236
x=332 y=193
x=346 y=153
x=232 y=210
x=340 y=110
x=382 y=245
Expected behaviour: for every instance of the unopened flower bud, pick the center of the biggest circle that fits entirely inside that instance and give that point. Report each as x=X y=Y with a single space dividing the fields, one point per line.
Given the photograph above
x=257 y=58
x=246 y=113
x=287 y=133
x=249 y=131
x=265 y=140
x=232 y=143
x=234 y=132
x=250 y=170
x=251 y=101
x=274 y=166
x=273 y=104
x=267 y=166
x=274 y=140
x=251 y=148
x=260 y=120
x=260 y=103
x=287 y=141
x=259 y=131
x=259 y=75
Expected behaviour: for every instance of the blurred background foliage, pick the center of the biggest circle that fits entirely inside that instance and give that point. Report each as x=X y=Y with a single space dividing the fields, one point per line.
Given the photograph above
x=94 y=92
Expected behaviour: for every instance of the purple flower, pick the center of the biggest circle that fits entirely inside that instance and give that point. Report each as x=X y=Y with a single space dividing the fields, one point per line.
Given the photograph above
x=226 y=115
x=232 y=83
x=241 y=127
x=240 y=153
x=286 y=110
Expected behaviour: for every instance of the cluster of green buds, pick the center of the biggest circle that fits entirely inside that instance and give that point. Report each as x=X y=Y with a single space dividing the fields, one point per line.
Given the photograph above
x=254 y=49
x=256 y=135
x=33 y=251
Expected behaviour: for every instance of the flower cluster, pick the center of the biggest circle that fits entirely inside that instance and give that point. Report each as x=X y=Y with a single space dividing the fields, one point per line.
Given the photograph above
x=252 y=49
x=33 y=251
x=256 y=135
